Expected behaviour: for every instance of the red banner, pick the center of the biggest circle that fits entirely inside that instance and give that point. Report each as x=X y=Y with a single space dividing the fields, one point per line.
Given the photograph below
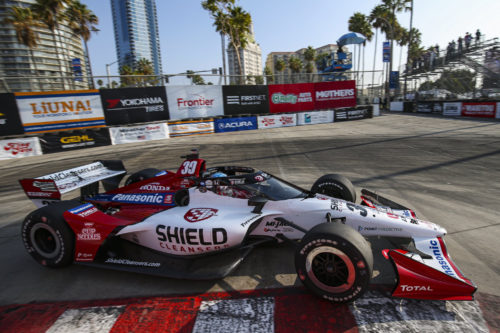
x=291 y=97
x=479 y=109
x=335 y=94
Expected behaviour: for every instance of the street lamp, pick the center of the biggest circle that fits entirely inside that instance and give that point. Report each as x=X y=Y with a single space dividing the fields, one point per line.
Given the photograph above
x=107 y=72
x=390 y=59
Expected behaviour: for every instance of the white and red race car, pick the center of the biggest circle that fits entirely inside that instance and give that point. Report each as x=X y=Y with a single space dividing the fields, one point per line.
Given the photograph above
x=200 y=223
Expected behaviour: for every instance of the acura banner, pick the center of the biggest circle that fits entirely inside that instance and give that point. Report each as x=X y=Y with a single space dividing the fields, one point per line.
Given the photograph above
x=194 y=101
x=134 y=105
x=60 y=110
x=10 y=123
x=63 y=141
x=235 y=124
x=245 y=100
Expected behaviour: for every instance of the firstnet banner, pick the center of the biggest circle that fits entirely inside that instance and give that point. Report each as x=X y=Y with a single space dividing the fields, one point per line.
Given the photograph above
x=314 y=117
x=195 y=101
x=235 y=124
x=60 y=110
x=275 y=121
x=15 y=148
x=131 y=134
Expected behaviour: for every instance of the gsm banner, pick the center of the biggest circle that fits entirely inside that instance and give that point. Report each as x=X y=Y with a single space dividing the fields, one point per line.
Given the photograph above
x=15 y=148
x=60 y=110
x=63 y=141
x=193 y=127
x=131 y=134
x=194 y=101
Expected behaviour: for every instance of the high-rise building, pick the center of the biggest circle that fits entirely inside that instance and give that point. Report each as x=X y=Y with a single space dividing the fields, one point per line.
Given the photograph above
x=136 y=32
x=251 y=61
x=54 y=64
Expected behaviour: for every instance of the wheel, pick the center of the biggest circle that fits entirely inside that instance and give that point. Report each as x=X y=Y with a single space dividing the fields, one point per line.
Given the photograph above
x=141 y=175
x=336 y=186
x=335 y=262
x=47 y=237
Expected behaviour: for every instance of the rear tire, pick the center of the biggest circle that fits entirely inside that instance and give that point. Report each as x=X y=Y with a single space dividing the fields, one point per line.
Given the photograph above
x=141 y=175
x=335 y=262
x=336 y=186
x=47 y=237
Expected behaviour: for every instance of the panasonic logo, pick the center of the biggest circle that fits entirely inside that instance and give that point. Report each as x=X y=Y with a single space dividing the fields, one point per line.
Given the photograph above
x=144 y=198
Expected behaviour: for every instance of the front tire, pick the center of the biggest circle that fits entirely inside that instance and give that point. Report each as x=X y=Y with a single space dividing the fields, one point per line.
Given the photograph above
x=336 y=186
x=335 y=262
x=47 y=237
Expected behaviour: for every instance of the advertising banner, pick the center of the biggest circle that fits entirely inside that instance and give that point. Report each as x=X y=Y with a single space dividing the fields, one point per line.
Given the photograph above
x=479 y=109
x=63 y=141
x=452 y=109
x=194 y=101
x=397 y=106
x=335 y=94
x=134 y=105
x=353 y=114
x=235 y=124
x=60 y=110
x=275 y=121
x=16 y=148
x=394 y=80
x=314 y=117
x=426 y=107
x=386 y=51
x=193 y=127
x=291 y=97
x=141 y=133
x=498 y=111
x=10 y=123
x=245 y=100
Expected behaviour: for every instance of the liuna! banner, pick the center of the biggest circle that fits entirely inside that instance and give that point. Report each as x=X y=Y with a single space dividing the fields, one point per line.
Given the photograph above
x=60 y=110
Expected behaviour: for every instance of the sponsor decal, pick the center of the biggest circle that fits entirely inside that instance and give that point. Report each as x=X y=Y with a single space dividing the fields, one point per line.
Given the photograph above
x=330 y=95
x=83 y=256
x=135 y=102
x=132 y=262
x=88 y=233
x=39 y=194
x=484 y=109
x=58 y=108
x=246 y=99
x=144 y=198
x=45 y=186
x=250 y=220
x=387 y=229
x=438 y=255
x=335 y=205
x=199 y=214
x=76 y=172
x=154 y=187
x=407 y=288
x=88 y=212
x=268 y=121
x=195 y=240
x=235 y=124
x=259 y=178
x=80 y=209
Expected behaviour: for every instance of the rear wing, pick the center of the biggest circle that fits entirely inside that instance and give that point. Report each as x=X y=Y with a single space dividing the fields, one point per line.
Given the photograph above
x=46 y=189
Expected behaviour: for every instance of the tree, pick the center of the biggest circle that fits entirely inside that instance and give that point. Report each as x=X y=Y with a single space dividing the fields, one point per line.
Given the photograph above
x=231 y=21
x=23 y=21
x=269 y=75
x=100 y=83
x=322 y=61
x=259 y=79
x=359 y=23
x=295 y=65
x=280 y=66
x=50 y=13
x=309 y=56
x=82 y=21
x=195 y=78
x=379 y=19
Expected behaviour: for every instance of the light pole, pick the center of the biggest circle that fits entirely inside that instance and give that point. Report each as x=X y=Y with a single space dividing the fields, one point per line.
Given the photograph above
x=107 y=72
x=390 y=59
x=408 y=54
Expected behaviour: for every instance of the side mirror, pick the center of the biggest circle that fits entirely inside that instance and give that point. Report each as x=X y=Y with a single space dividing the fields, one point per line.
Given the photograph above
x=258 y=202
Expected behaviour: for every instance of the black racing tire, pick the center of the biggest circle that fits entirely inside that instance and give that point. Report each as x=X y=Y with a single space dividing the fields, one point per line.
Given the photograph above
x=47 y=237
x=336 y=186
x=335 y=262
x=141 y=175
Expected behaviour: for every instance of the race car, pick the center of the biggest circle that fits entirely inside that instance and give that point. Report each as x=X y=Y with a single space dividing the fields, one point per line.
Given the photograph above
x=200 y=223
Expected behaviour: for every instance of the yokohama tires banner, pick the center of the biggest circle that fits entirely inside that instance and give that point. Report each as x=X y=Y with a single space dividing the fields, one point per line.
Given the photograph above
x=63 y=141
x=479 y=109
x=134 y=105
x=131 y=134
x=335 y=94
x=276 y=121
x=15 y=148
x=10 y=123
x=314 y=117
x=60 y=110
x=291 y=97
x=194 y=101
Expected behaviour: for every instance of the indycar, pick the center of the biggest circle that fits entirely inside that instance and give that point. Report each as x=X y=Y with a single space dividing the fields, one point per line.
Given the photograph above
x=201 y=223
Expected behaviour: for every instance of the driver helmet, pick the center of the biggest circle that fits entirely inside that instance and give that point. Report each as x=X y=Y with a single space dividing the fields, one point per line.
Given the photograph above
x=219 y=174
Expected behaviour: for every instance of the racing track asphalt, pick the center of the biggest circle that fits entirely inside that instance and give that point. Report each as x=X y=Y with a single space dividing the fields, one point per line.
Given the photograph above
x=448 y=170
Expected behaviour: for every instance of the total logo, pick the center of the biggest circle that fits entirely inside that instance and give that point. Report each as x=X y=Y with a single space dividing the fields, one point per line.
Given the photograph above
x=407 y=288
x=199 y=214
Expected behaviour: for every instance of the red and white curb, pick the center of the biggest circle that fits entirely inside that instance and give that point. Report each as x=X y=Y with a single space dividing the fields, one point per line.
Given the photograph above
x=276 y=310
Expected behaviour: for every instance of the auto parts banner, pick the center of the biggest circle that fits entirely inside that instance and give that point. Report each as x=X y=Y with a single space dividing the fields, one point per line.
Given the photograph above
x=134 y=105
x=60 y=110
x=194 y=101
x=291 y=97
x=63 y=141
x=131 y=134
x=10 y=123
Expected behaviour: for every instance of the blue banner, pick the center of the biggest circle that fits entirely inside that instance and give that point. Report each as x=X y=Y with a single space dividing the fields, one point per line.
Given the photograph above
x=386 y=51
x=394 y=80
x=235 y=124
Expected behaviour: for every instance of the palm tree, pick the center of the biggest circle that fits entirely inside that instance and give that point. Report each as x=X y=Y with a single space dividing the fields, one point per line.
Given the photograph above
x=309 y=56
x=23 y=21
x=50 y=13
x=269 y=75
x=145 y=67
x=280 y=66
x=379 y=18
x=295 y=65
x=359 y=23
x=82 y=21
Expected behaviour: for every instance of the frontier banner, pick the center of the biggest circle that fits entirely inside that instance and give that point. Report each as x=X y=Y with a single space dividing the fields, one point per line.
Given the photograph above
x=245 y=100
x=291 y=97
x=63 y=141
x=134 y=105
x=194 y=101
x=132 y=134
x=335 y=94
x=15 y=148
x=10 y=123
x=60 y=110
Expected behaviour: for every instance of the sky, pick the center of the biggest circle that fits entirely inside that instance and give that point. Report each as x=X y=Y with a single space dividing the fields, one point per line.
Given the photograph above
x=188 y=39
